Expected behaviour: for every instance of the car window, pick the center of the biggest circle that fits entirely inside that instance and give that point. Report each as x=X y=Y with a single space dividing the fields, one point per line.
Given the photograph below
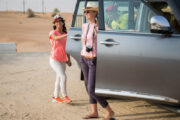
x=145 y=16
x=135 y=15
x=80 y=15
x=80 y=18
x=121 y=14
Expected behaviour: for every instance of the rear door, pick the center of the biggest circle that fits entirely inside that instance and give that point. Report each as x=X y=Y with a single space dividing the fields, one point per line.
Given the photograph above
x=132 y=61
x=73 y=46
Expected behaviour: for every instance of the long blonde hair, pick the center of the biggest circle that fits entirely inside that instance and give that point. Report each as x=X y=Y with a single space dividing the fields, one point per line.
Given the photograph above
x=96 y=23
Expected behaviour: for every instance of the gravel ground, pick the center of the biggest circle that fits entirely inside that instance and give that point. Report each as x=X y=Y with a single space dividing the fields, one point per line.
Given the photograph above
x=26 y=90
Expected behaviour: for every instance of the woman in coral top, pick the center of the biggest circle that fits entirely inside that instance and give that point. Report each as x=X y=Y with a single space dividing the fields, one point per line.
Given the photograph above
x=59 y=58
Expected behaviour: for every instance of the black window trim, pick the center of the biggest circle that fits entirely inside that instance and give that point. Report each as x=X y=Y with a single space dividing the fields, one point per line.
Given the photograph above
x=75 y=13
x=101 y=15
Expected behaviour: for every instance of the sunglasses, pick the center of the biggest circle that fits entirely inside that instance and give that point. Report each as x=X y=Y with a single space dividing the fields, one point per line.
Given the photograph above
x=60 y=21
x=86 y=11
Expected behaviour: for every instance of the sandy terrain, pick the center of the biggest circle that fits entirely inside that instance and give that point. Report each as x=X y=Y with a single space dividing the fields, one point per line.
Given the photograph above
x=26 y=89
x=30 y=34
x=27 y=81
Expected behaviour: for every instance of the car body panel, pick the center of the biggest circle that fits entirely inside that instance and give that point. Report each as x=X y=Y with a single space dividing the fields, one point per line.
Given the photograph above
x=141 y=63
x=133 y=63
x=73 y=45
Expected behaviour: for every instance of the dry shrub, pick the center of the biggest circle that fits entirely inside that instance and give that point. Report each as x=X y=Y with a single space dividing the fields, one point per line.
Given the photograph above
x=30 y=13
x=55 y=12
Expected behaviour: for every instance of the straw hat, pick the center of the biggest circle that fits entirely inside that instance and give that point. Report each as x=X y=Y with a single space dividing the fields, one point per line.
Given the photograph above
x=91 y=6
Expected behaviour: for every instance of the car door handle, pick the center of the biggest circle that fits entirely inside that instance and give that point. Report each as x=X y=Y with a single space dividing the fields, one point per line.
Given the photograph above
x=76 y=37
x=109 y=42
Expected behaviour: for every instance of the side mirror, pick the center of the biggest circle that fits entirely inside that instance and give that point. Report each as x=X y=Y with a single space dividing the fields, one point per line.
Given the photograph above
x=160 y=24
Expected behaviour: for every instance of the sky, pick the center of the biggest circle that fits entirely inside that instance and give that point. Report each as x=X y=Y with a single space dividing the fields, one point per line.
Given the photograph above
x=36 y=5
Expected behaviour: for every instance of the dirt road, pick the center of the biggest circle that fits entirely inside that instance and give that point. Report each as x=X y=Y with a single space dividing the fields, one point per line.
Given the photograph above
x=26 y=89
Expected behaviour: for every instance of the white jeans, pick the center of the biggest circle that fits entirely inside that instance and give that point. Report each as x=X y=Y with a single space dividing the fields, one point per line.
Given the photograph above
x=59 y=68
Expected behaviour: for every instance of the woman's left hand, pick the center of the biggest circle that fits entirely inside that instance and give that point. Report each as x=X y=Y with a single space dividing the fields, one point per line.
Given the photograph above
x=69 y=63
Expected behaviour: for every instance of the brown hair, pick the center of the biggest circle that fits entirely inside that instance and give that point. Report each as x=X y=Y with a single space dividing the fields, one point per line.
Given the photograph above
x=63 y=27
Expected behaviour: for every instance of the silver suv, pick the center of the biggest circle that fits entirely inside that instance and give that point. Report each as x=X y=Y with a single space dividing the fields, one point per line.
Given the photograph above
x=138 y=48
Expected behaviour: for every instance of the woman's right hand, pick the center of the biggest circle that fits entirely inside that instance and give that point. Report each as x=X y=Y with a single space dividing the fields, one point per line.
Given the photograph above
x=65 y=35
x=58 y=37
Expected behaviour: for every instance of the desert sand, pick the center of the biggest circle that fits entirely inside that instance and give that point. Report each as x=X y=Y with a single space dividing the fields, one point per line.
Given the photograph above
x=27 y=80
x=30 y=34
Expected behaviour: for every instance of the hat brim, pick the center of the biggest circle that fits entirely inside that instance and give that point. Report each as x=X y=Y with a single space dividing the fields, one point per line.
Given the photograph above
x=91 y=9
x=55 y=20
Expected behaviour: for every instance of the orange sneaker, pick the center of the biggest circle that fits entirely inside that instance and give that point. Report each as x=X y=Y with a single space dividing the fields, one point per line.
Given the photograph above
x=67 y=100
x=57 y=100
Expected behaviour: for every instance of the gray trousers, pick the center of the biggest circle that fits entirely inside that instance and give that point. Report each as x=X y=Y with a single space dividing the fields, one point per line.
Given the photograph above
x=88 y=67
